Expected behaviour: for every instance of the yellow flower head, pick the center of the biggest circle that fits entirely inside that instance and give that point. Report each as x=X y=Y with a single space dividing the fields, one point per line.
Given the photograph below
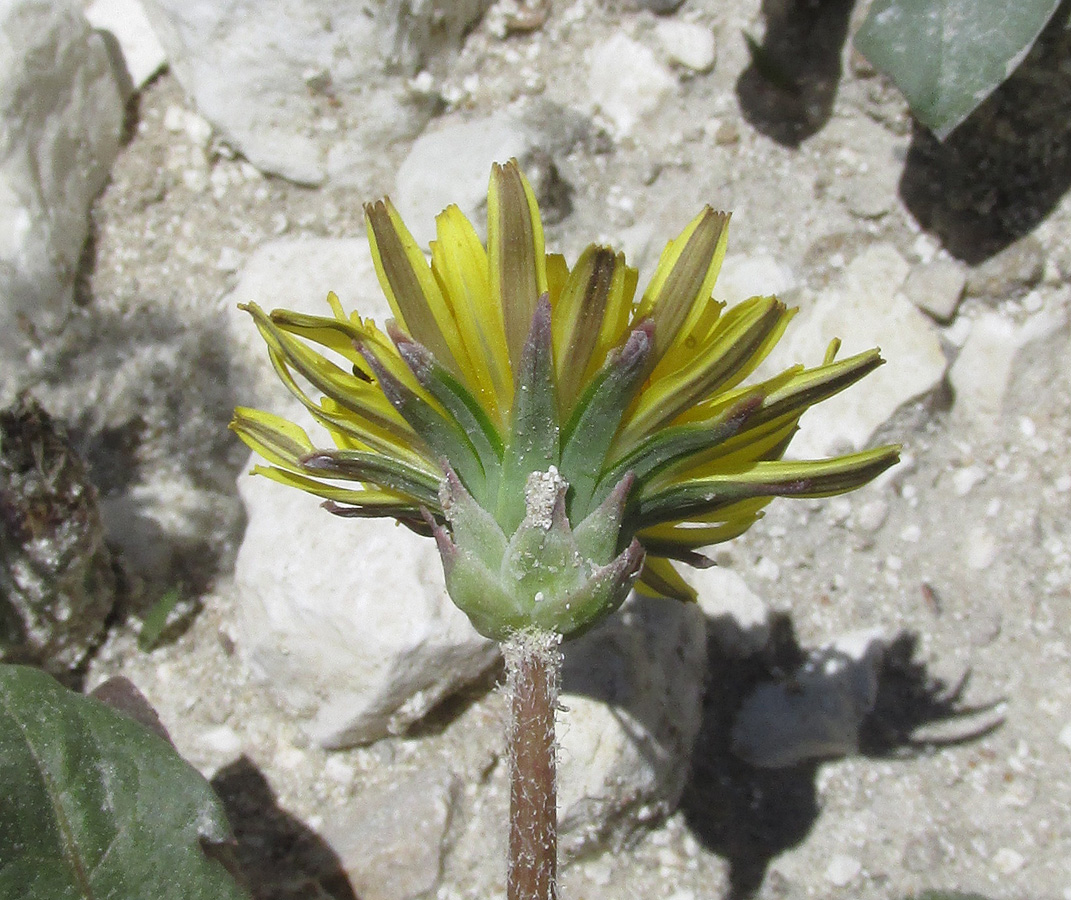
x=558 y=437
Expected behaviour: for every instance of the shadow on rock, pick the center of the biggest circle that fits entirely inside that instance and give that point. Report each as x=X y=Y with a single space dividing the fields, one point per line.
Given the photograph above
x=749 y=814
x=279 y=857
x=788 y=89
x=1007 y=166
x=148 y=398
x=746 y=814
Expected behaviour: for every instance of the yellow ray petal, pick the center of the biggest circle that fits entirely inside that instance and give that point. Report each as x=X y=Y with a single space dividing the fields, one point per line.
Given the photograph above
x=557 y=273
x=516 y=252
x=658 y=578
x=459 y=263
x=368 y=497
x=279 y=441
x=685 y=276
x=591 y=316
x=410 y=286
x=736 y=345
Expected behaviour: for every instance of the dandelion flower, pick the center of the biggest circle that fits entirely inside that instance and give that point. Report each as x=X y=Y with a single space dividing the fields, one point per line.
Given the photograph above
x=561 y=439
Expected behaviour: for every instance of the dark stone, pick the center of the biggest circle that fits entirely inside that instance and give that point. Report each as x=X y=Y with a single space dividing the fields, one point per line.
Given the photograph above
x=57 y=581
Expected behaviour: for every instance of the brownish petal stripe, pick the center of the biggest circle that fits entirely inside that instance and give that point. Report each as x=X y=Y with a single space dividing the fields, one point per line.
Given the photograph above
x=514 y=250
x=686 y=278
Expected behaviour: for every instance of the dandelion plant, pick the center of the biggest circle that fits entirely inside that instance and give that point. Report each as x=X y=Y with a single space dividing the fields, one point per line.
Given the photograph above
x=562 y=440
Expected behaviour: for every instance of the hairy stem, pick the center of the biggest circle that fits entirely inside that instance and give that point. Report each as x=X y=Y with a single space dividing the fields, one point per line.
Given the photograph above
x=533 y=668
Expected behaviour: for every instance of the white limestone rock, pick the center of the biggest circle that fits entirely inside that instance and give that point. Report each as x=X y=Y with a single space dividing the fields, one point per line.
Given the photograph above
x=632 y=693
x=348 y=622
x=687 y=44
x=752 y=275
x=937 y=287
x=865 y=309
x=626 y=82
x=125 y=20
x=451 y=164
x=297 y=274
x=736 y=616
x=983 y=371
x=61 y=116
x=391 y=836
x=1010 y=273
x=307 y=87
x=817 y=712
x=863 y=198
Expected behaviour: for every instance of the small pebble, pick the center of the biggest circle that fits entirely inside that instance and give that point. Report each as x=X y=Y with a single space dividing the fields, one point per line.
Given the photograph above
x=863 y=200
x=626 y=83
x=1065 y=736
x=911 y=534
x=843 y=869
x=690 y=45
x=423 y=82
x=174 y=118
x=727 y=133
x=195 y=180
x=840 y=508
x=936 y=288
x=339 y=770
x=289 y=758
x=1033 y=302
x=223 y=740
x=230 y=260
x=981 y=549
x=1008 y=861
x=966 y=478
x=767 y=569
x=872 y=515
x=1015 y=269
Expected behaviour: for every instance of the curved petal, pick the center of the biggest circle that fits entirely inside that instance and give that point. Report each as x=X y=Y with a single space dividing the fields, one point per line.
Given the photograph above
x=459 y=263
x=410 y=286
x=516 y=253
x=683 y=282
x=739 y=342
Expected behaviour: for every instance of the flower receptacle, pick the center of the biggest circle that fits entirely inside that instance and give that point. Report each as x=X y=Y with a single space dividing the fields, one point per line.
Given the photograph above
x=545 y=575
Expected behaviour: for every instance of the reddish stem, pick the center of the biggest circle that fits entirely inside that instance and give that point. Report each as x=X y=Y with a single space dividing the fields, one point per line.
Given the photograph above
x=533 y=665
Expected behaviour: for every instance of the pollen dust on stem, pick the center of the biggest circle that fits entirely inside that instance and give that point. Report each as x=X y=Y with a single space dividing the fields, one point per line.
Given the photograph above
x=533 y=668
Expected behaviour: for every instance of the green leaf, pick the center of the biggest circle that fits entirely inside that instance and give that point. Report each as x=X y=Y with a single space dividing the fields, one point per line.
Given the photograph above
x=155 y=622
x=947 y=56
x=93 y=805
x=949 y=895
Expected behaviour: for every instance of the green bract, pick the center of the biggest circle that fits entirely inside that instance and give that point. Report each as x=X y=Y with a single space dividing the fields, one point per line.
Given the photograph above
x=559 y=439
